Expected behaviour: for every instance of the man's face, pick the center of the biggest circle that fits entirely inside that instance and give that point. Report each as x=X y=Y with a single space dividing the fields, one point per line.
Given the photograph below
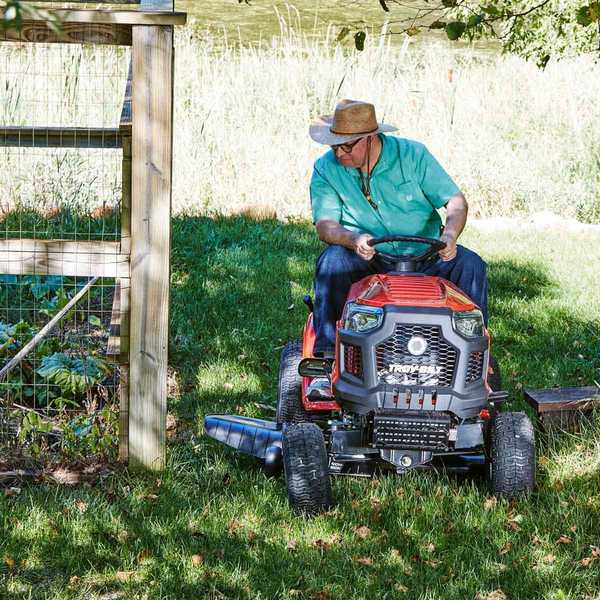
x=352 y=154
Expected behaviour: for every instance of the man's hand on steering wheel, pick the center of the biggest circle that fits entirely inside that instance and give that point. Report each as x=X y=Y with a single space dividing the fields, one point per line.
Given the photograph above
x=449 y=252
x=361 y=247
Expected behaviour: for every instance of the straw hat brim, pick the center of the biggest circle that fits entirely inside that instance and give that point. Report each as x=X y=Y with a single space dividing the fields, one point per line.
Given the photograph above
x=320 y=132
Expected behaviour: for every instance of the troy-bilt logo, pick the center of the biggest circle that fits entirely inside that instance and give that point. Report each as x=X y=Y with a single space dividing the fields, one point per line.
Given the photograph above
x=414 y=369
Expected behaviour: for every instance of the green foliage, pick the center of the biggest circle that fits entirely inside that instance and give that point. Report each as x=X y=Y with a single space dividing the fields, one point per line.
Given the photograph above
x=543 y=30
x=14 y=12
x=359 y=40
x=41 y=395
x=455 y=30
x=52 y=306
x=73 y=374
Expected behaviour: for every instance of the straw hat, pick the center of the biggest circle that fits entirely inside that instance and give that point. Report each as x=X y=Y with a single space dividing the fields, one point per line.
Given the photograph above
x=352 y=119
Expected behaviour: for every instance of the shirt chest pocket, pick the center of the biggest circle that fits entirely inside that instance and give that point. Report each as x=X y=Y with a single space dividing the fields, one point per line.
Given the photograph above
x=407 y=196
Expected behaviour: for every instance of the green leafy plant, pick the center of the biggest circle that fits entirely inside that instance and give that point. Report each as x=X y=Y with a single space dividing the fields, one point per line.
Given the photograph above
x=73 y=374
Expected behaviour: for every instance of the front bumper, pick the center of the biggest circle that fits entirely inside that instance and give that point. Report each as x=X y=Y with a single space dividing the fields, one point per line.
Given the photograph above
x=460 y=392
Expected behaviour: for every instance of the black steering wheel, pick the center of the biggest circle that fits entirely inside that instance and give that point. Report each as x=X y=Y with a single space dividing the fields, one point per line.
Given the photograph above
x=406 y=263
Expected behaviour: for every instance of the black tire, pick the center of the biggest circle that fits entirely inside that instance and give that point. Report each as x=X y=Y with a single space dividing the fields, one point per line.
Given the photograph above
x=306 y=468
x=289 y=386
x=494 y=378
x=512 y=455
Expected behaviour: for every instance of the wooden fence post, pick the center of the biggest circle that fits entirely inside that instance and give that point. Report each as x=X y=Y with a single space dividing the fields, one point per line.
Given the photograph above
x=152 y=105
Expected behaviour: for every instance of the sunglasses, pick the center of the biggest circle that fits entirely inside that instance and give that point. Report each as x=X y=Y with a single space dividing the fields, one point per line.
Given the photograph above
x=346 y=148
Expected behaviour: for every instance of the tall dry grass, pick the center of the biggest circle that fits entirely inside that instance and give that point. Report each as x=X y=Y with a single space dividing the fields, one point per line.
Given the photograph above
x=516 y=139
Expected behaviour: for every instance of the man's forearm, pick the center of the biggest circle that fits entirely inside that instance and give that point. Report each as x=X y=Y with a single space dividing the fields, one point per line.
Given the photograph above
x=332 y=232
x=456 y=217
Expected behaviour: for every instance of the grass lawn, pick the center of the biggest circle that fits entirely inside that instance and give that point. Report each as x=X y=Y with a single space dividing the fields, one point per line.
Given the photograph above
x=214 y=526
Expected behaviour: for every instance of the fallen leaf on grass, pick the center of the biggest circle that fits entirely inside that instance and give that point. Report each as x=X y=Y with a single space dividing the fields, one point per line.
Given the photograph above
x=233 y=526
x=434 y=564
x=322 y=544
x=125 y=576
x=12 y=491
x=430 y=547
x=65 y=476
x=549 y=559
x=9 y=561
x=197 y=559
x=536 y=541
x=122 y=537
x=595 y=551
x=81 y=506
x=291 y=545
x=513 y=522
x=362 y=532
x=144 y=555
x=506 y=548
x=495 y=595
x=364 y=560
x=490 y=503
x=564 y=539
x=573 y=528
x=251 y=536
x=228 y=386
x=402 y=589
x=586 y=562
x=74 y=581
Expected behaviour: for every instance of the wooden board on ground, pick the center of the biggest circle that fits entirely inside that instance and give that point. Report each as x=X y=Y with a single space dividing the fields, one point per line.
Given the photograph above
x=562 y=408
x=567 y=398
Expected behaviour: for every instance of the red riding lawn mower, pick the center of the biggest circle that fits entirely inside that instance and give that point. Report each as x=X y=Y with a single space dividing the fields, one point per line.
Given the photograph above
x=412 y=386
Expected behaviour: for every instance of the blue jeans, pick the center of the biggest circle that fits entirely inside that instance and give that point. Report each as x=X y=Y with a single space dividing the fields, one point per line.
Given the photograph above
x=338 y=268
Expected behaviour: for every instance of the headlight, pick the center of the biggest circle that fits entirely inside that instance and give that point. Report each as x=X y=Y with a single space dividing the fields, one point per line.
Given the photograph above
x=468 y=324
x=362 y=318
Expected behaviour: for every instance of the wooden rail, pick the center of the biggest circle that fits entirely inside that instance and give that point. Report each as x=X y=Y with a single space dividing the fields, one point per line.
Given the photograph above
x=60 y=137
x=122 y=17
x=60 y=257
x=70 y=33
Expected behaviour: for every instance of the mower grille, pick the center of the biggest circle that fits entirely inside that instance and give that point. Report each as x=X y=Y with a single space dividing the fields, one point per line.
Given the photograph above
x=411 y=429
x=397 y=366
x=353 y=360
x=475 y=367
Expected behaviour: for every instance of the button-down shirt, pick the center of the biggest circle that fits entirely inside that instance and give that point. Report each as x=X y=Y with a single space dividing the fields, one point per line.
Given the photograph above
x=408 y=185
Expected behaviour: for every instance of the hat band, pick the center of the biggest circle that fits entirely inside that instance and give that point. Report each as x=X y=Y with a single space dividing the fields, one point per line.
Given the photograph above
x=353 y=132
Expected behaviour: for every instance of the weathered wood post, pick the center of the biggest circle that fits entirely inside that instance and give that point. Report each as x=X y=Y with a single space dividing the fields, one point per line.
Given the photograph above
x=152 y=135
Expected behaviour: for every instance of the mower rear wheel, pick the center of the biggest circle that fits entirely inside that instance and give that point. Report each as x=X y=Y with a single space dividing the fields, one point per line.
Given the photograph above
x=289 y=386
x=494 y=378
x=305 y=463
x=512 y=455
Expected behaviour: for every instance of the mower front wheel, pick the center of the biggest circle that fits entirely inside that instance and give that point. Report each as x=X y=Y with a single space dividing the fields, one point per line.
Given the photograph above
x=289 y=386
x=512 y=455
x=305 y=463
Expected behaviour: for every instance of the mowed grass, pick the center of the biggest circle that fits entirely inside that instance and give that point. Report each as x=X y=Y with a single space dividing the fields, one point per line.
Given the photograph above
x=212 y=525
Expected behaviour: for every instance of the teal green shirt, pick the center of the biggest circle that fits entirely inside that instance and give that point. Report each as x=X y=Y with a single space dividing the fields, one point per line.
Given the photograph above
x=407 y=184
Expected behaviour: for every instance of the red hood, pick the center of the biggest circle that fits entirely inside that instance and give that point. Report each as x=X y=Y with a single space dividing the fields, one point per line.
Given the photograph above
x=409 y=290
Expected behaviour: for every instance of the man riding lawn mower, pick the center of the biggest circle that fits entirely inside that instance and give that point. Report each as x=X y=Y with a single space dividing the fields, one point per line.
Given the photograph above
x=394 y=371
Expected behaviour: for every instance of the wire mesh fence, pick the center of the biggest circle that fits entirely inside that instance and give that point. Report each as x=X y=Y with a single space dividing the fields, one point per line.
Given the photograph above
x=60 y=220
